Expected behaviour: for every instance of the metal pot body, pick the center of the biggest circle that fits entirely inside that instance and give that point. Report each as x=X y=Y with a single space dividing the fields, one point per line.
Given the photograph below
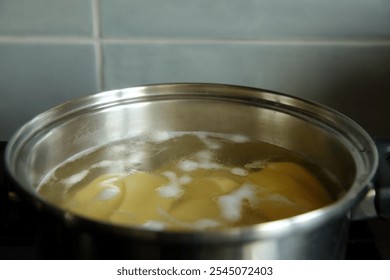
x=324 y=136
x=63 y=241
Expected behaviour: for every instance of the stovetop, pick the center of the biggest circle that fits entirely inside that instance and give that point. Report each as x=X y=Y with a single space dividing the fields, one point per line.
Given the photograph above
x=21 y=238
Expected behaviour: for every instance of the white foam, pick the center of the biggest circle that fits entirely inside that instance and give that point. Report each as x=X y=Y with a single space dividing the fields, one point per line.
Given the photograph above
x=170 y=175
x=204 y=156
x=201 y=135
x=118 y=149
x=256 y=164
x=103 y=164
x=155 y=225
x=137 y=158
x=231 y=204
x=279 y=198
x=204 y=162
x=199 y=224
x=74 y=179
x=205 y=223
x=173 y=188
x=170 y=190
x=108 y=193
x=239 y=171
x=51 y=174
x=237 y=138
x=185 y=180
x=162 y=135
x=211 y=144
x=188 y=165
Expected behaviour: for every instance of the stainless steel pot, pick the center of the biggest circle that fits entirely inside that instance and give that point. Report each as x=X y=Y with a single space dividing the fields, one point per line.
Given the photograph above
x=319 y=133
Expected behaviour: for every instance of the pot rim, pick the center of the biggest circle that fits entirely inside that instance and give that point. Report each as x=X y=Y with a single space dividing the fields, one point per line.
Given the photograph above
x=351 y=131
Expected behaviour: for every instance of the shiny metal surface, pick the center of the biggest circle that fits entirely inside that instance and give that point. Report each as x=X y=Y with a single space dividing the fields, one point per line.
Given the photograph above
x=366 y=208
x=319 y=133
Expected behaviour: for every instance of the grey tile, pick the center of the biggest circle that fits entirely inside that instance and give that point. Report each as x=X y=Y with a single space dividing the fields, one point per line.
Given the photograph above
x=37 y=77
x=246 y=19
x=46 y=17
x=343 y=77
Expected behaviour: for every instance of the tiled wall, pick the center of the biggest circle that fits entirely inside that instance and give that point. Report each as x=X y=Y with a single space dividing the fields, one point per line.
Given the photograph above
x=334 y=52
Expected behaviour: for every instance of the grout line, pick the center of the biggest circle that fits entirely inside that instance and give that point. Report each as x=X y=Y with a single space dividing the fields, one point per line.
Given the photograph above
x=97 y=44
x=46 y=40
x=95 y=19
x=97 y=40
x=242 y=41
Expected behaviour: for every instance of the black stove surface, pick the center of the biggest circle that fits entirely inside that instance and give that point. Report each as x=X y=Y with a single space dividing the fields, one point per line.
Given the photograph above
x=21 y=230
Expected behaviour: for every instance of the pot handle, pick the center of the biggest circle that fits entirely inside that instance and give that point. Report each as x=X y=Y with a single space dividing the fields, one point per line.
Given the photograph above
x=376 y=203
x=382 y=180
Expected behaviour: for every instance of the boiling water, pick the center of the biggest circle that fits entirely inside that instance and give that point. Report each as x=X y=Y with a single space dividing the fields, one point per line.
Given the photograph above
x=183 y=180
